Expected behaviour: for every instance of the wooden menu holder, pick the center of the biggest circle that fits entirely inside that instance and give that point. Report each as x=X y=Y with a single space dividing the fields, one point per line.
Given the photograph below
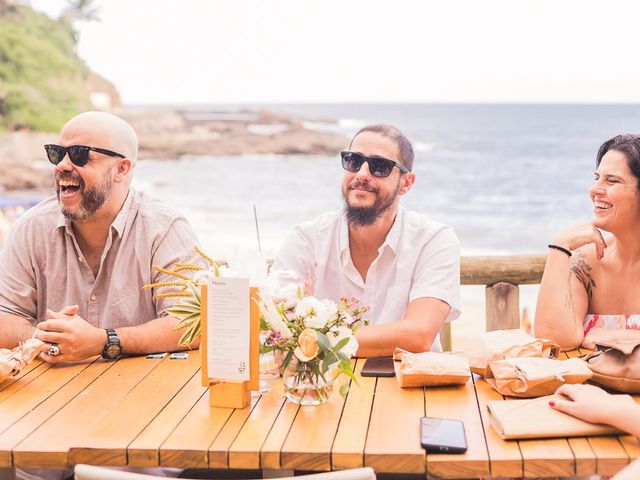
x=233 y=394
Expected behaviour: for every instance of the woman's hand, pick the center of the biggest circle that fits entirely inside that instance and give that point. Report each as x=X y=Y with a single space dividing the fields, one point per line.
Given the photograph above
x=594 y=405
x=580 y=235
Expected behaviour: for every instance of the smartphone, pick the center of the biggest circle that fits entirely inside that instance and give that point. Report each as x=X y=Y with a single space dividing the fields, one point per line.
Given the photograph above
x=442 y=435
x=378 y=367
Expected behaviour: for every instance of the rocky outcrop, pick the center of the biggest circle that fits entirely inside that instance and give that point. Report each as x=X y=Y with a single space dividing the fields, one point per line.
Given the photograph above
x=170 y=134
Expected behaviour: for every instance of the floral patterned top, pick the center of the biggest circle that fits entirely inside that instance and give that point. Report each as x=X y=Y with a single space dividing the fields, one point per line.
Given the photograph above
x=611 y=322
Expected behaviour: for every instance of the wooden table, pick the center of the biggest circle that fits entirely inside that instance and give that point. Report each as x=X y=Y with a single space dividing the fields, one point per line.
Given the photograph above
x=144 y=413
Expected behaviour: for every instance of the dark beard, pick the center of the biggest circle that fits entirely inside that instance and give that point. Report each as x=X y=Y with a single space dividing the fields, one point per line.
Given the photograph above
x=363 y=216
x=92 y=199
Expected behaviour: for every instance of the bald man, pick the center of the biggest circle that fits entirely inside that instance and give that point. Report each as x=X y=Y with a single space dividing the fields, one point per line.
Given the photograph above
x=73 y=268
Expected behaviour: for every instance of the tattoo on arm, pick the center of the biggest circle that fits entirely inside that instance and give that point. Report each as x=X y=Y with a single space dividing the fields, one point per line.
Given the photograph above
x=568 y=300
x=582 y=270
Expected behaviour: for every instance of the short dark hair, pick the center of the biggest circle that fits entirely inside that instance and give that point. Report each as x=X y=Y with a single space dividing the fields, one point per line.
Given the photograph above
x=629 y=146
x=404 y=145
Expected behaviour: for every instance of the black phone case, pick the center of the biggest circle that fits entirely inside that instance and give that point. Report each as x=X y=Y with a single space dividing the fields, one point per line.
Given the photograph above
x=431 y=445
x=378 y=367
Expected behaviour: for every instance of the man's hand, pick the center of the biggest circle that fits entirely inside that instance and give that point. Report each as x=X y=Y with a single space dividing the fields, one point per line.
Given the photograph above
x=76 y=339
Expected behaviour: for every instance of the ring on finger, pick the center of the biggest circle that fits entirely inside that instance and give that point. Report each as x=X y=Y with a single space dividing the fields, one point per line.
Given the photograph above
x=53 y=350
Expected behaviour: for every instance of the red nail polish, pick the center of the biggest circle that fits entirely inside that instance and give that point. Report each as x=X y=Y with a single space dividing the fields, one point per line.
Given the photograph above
x=552 y=403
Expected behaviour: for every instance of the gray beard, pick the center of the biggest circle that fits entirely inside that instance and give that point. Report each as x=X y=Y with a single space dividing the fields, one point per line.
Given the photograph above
x=92 y=200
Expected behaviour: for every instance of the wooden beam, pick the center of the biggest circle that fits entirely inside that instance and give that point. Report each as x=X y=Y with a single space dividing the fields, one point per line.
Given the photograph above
x=503 y=306
x=514 y=269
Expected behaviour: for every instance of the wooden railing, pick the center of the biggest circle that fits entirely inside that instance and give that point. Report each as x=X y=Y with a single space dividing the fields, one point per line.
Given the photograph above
x=502 y=276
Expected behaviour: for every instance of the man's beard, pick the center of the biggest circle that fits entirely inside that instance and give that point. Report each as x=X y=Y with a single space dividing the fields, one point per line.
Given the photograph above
x=92 y=198
x=363 y=216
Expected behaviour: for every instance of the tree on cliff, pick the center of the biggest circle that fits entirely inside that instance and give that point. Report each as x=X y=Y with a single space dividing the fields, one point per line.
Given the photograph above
x=79 y=11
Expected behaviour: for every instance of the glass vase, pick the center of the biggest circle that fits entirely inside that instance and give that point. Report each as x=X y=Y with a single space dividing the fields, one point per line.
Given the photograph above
x=304 y=385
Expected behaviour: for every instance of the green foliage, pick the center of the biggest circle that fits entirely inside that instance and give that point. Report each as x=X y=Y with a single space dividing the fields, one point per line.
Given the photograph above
x=42 y=80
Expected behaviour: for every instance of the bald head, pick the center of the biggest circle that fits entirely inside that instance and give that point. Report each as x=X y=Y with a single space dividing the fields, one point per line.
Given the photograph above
x=101 y=130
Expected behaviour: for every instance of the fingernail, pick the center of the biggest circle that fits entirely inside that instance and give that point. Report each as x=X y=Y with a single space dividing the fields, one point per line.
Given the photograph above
x=552 y=403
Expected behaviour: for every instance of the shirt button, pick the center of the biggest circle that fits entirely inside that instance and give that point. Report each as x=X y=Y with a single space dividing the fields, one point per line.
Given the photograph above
x=80 y=259
x=93 y=297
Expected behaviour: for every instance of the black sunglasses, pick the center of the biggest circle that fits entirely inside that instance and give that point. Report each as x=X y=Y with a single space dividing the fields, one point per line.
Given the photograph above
x=78 y=154
x=378 y=166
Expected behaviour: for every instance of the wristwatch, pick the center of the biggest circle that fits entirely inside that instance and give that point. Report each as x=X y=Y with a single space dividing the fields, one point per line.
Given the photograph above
x=113 y=348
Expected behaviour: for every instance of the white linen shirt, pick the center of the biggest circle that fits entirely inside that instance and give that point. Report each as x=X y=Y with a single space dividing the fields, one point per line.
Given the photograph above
x=419 y=258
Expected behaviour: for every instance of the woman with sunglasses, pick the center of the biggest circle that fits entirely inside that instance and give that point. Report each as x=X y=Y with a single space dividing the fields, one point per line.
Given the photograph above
x=592 y=280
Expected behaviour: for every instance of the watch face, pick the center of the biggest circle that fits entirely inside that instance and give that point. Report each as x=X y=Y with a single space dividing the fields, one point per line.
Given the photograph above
x=113 y=350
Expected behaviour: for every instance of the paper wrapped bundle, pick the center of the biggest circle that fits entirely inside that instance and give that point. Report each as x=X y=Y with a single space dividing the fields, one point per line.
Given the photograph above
x=534 y=418
x=534 y=377
x=430 y=369
x=501 y=344
x=12 y=361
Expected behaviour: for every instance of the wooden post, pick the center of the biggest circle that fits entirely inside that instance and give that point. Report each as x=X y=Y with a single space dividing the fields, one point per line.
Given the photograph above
x=503 y=306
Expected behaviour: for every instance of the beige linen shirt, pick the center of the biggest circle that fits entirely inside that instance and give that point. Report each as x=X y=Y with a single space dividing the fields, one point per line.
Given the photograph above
x=419 y=258
x=41 y=265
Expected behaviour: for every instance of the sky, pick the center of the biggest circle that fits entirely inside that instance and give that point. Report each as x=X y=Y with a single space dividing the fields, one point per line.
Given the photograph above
x=285 y=51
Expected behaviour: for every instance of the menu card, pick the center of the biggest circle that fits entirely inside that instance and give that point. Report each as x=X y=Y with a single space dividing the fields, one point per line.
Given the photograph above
x=228 y=329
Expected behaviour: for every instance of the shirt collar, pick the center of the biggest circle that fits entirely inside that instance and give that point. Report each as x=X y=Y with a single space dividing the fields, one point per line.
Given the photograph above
x=392 y=241
x=119 y=223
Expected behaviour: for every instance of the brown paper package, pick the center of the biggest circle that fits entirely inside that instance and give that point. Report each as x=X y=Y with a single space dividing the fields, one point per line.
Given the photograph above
x=430 y=369
x=501 y=344
x=533 y=377
x=534 y=418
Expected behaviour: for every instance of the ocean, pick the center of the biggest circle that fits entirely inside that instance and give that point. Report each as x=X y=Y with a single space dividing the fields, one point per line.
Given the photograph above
x=506 y=177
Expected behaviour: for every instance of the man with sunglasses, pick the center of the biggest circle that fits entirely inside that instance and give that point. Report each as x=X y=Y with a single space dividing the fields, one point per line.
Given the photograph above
x=401 y=264
x=72 y=270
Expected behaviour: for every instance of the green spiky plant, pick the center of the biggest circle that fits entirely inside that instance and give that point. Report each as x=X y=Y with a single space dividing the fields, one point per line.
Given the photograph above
x=187 y=308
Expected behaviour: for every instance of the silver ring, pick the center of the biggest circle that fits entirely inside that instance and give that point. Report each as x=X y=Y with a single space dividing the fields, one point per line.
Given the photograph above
x=53 y=350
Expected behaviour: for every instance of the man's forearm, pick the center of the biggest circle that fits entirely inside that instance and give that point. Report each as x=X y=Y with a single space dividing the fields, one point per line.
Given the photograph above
x=415 y=332
x=13 y=330
x=382 y=340
x=154 y=336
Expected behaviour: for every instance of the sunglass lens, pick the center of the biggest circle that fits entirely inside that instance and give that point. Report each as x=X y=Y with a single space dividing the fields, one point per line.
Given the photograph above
x=351 y=161
x=55 y=153
x=380 y=167
x=79 y=155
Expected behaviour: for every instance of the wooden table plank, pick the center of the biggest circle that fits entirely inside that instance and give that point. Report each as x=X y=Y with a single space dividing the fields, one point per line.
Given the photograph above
x=48 y=446
x=144 y=451
x=33 y=393
x=106 y=442
x=348 y=448
x=504 y=455
x=244 y=452
x=393 y=440
x=610 y=454
x=270 y=453
x=27 y=374
x=23 y=423
x=308 y=444
x=585 y=457
x=458 y=402
x=219 y=449
x=187 y=445
x=547 y=458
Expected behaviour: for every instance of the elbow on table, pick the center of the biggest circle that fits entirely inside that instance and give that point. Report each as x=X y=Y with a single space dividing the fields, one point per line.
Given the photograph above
x=418 y=340
x=566 y=342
